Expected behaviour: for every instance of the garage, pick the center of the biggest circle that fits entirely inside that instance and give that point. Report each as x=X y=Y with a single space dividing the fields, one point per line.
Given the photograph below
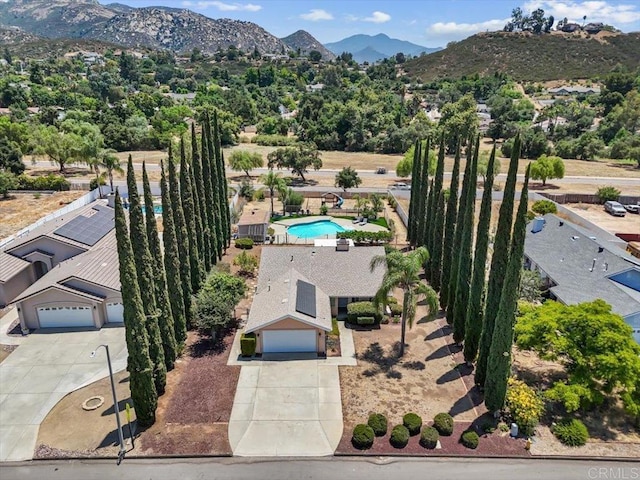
x=276 y=341
x=115 y=312
x=58 y=317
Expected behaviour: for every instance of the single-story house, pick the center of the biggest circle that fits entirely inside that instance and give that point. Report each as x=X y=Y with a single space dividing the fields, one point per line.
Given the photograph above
x=576 y=267
x=301 y=288
x=254 y=224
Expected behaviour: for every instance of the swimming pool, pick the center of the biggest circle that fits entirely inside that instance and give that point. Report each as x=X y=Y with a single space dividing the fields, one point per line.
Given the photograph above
x=315 y=229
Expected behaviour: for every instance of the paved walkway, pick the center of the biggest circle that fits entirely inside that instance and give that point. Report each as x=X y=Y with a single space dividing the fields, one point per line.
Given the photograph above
x=41 y=371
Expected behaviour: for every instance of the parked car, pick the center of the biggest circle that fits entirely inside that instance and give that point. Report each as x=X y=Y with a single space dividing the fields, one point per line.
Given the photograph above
x=381 y=170
x=401 y=186
x=632 y=208
x=615 y=208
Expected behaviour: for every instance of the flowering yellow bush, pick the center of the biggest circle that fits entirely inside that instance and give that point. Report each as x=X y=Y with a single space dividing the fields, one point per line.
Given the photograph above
x=525 y=405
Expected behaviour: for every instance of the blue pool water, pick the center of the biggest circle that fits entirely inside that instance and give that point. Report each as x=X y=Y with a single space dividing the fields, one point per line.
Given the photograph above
x=315 y=229
x=157 y=209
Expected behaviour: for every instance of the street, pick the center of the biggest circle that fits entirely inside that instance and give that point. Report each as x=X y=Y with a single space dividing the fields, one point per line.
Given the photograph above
x=335 y=468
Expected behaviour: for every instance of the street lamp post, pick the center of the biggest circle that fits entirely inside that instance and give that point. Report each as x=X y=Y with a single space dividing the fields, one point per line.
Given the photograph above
x=122 y=451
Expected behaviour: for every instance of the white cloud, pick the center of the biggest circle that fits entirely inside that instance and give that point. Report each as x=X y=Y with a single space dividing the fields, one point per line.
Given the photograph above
x=596 y=11
x=224 y=7
x=316 y=15
x=462 y=30
x=377 y=17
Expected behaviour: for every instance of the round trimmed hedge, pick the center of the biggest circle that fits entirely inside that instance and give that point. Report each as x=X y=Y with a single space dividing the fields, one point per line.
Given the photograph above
x=443 y=422
x=470 y=439
x=413 y=422
x=571 y=432
x=378 y=423
x=429 y=437
x=399 y=436
x=362 y=437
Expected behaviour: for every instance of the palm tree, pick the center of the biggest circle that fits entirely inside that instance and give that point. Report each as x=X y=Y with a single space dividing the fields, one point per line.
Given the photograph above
x=403 y=271
x=274 y=182
x=110 y=162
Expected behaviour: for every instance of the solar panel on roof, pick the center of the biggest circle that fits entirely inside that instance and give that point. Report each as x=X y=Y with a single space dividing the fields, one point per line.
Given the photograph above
x=306 y=298
x=88 y=230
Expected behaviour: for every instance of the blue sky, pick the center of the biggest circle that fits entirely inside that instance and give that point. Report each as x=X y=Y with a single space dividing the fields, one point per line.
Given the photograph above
x=431 y=23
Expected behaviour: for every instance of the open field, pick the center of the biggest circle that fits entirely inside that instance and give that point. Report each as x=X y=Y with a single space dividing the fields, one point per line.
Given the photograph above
x=630 y=223
x=24 y=209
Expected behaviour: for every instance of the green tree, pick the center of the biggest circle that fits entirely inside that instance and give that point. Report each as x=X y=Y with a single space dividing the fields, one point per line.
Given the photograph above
x=416 y=189
x=595 y=346
x=165 y=317
x=8 y=181
x=450 y=230
x=434 y=193
x=438 y=233
x=144 y=270
x=244 y=161
x=139 y=365
x=216 y=300
x=196 y=273
x=172 y=264
x=62 y=148
x=110 y=162
x=210 y=205
x=182 y=238
x=483 y=166
x=465 y=263
x=197 y=212
x=347 y=178
x=499 y=360
x=403 y=271
x=298 y=159
x=219 y=185
x=499 y=261
x=530 y=289
x=423 y=191
x=546 y=167
x=248 y=263
x=473 y=327
x=10 y=156
x=274 y=182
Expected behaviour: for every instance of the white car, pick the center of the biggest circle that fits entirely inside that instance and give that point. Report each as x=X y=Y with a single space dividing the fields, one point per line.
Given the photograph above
x=632 y=208
x=401 y=186
x=615 y=208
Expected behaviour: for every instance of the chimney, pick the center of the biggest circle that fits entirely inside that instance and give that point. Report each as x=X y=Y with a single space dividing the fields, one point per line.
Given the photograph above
x=561 y=223
x=593 y=265
x=600 y=249
x=537 y=225
x=111 y=200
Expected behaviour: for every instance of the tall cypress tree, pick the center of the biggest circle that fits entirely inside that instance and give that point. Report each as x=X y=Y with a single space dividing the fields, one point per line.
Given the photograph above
x=413 y=199
x=450 y=229
x=428 y=209
x=186 y=196
x=438 y=234
x=223 y=190
x=437 y=187
x=197 y=212
x=499 y=361
x=463 y=281
x=474 y=310
x=198 y=177
x=139 y=365
x=172 y=265
x=424 y=190
x=457 y=239
x=499 y=261
x=213 y=210
x=182 y=239
x=165 y=318
x=144 y=270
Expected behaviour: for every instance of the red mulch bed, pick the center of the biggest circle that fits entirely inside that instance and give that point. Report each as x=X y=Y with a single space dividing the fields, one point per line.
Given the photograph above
x=496 y=444
x=193 y=414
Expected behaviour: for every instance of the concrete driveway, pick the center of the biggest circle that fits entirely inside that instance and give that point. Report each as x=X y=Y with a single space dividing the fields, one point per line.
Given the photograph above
x=41 y=371
x=286 y=408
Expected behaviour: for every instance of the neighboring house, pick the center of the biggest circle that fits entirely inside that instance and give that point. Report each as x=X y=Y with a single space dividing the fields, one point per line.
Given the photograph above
x=254 y=224
x=574 y=90
x=301 y=288
x=576 y=268
x=571 y=27
x=593 y=28
x=45 y=271
x=181 y=97
x=316 y=87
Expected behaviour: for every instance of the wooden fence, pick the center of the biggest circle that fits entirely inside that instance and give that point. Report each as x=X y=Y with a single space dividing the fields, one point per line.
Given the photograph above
x=563 y=198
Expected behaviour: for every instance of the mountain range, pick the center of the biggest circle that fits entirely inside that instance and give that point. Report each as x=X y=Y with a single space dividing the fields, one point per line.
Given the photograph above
x=371 y=48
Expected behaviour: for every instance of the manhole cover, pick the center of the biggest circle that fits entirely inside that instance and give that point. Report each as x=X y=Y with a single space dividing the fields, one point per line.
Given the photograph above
x=92 y=403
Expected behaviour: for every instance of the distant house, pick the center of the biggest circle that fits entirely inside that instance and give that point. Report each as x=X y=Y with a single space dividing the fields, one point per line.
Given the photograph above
x=433 y=114
x=483 y=108
x=571 y=27
x=576 y=267
x=180 y=97
x=316 y=87
x=574 y=90
x=593 y=28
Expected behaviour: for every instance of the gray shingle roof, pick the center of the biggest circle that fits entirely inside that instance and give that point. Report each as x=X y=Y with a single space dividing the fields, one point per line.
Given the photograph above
x=338 y=274
x=277 y=299
x=10 y=266
x=566 y=254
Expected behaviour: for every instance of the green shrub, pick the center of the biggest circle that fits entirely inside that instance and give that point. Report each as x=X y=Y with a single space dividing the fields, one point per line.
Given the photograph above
x=258 y=195
x=470 y=439
x=362 y=309
x=413 y=422
x=429 y=437
x=399 y=436
x=396 y=309
x=443 y=422
x=571 y=432
x=378 y=423
x=274 y=140
x=362 y=437
x=525 y=405
x=93 y=183
x=323 y=209
x=608 y=193
x=361 y=237
x=244 y=243
x=45 y=182
x=248 y=344
x=366 y=320
x=542 y=207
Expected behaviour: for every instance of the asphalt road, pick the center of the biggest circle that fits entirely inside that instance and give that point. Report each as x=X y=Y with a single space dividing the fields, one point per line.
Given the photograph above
x=334 y=468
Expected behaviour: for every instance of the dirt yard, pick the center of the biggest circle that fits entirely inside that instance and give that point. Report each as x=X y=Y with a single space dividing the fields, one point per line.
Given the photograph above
x=24 y=209
x=630 y=223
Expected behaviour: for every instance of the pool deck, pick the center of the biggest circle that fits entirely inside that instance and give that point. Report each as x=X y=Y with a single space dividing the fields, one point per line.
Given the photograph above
x=280 y=228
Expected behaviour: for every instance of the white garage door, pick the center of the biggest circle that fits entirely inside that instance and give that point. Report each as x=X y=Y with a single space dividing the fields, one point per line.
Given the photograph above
x=51 y=317
x=288 y=341
x=115 y=312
